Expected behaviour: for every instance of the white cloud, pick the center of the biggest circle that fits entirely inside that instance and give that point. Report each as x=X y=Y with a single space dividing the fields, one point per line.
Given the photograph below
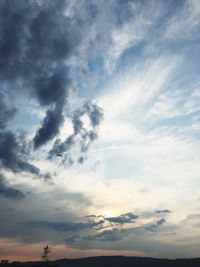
x=133 y=31
x=126 y=100
x=105 y=38
x=185 y=21
x=175 y=103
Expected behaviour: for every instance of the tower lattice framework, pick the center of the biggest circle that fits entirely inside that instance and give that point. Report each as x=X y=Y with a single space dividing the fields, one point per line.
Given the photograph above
x=46 y=254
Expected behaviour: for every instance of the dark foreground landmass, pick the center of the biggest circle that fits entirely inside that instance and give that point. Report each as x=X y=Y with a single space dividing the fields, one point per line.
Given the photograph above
x=113 y=261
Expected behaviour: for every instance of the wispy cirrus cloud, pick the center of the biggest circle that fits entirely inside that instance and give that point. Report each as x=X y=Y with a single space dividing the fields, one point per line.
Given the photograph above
x=184 y=22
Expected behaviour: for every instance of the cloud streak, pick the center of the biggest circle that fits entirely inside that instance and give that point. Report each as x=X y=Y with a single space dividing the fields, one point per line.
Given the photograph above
x=9 y=192
x=123 y=219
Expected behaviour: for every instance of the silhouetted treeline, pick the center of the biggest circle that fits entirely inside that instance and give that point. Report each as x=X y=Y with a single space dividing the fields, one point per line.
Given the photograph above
x=113 y=261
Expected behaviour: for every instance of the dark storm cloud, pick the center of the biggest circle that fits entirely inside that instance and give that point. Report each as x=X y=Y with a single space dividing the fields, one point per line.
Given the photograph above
x=118 y=232
x=51 y=91
x=124 y=218
x=65 y=226
x=6 y=113
x=50 y=126
x=154 y=227
x=9 y=192
x=59 y=226
x=13 y=154
x=84 y=231
x=163 y=211
x=35 y=40
x=81 y=136
x=98 y=222
x=103 y=222
x=14 y=150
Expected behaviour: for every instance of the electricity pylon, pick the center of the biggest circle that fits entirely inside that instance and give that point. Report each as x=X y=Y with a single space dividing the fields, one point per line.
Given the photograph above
x=46 y=254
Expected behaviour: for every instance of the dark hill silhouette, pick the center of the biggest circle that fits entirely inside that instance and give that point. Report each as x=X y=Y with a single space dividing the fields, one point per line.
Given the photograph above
x=121 y=261
x=113 y=261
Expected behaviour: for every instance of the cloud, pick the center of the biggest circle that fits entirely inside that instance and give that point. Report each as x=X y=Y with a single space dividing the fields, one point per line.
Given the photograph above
x=72 y=239
x=9 y=192
x=81 y=135
x=133 y=30
x=184 y=22
x=132 y=95
x=107 y=222
x=65 y=226
x=50 y=48
x=130 y=24
x=36 y=40
x=124 y=218
x=6 y=113
x=106 y=235
x=14 y=149
x=163 y=211
x=50 y=126
x=13 y=154
x=88 y=223
x=192 y=218
x=35 y=56
x=70 y=196
x=154 y=227
x=118 y=233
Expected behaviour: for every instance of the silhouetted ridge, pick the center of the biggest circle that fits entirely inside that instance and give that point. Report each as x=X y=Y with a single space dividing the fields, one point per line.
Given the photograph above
x=122 y=261
x=112 y=261
x=115 y=261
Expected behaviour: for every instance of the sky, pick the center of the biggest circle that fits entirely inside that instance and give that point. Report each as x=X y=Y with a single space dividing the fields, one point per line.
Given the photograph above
x=99 y=128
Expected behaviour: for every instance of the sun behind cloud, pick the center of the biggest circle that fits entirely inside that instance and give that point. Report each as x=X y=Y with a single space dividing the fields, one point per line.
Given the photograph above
x=108 y=213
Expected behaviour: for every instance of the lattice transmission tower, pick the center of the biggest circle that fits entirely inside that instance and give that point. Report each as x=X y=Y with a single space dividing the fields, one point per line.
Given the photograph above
x=46 y=254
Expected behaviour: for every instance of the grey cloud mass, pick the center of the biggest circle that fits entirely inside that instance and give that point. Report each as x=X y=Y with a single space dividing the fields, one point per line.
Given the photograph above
x=14 y=150
x=81 y=136
x=154 y=227
x=163 y=211
x=90 y=222
x=36 y=40
x=9 y=192
x=13 y=155
x=106 y=235
x=6 y=113
x=72 y=239
x=34 y=55
x=65 y=226
x=124 y=218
